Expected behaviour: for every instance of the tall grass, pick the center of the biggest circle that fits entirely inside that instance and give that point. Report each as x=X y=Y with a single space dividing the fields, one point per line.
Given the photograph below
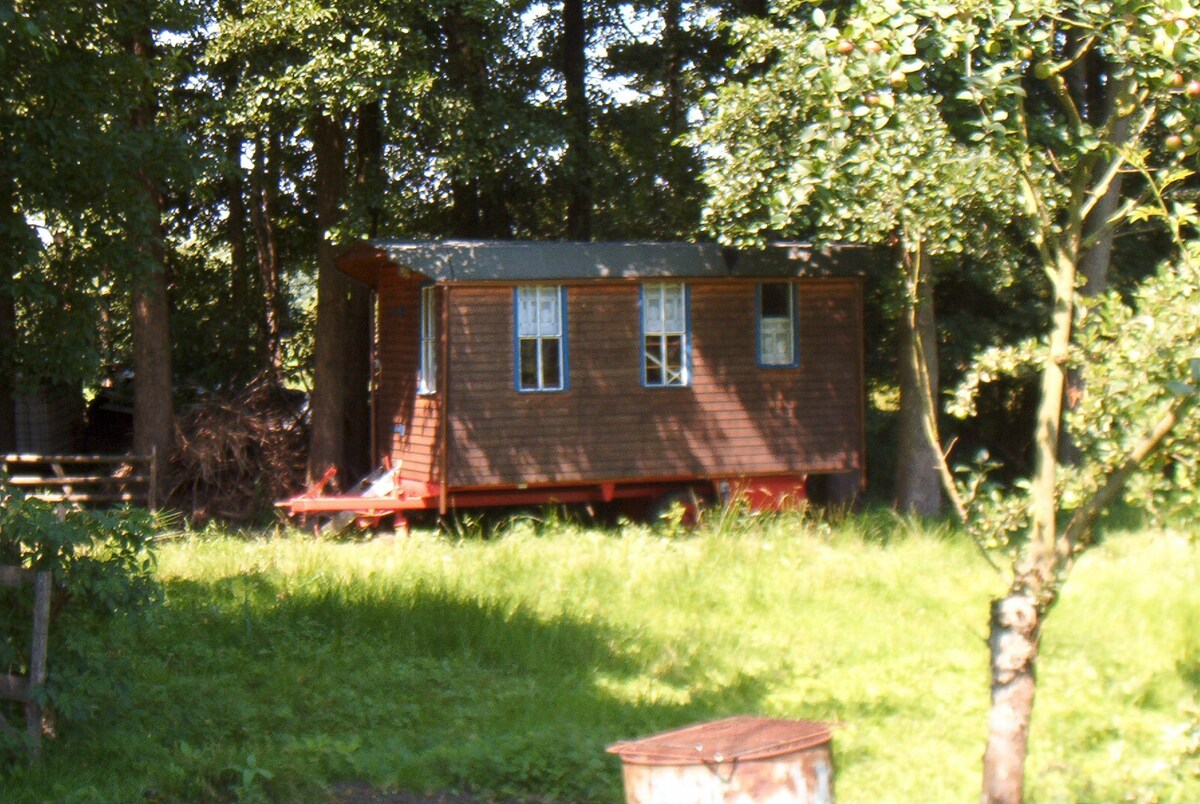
x=280 y=665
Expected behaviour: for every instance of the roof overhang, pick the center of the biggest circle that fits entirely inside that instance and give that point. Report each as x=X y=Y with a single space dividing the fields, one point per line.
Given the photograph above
x=364 y=262
x=453 y=261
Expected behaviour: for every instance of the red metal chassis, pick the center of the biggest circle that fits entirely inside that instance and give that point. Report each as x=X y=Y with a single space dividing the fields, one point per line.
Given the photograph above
x=758 y=492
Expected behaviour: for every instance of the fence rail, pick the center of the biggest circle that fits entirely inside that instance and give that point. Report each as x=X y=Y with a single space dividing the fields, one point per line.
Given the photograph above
x=84 y=479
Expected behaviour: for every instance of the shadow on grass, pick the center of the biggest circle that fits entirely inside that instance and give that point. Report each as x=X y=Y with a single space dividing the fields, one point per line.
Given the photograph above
x=247 y=690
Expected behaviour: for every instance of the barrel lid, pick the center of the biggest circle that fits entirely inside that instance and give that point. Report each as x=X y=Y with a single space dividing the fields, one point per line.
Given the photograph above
x=730 y=740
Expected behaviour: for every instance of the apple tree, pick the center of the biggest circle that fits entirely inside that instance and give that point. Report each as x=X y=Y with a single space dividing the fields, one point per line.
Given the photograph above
x=872 y=142
x=1031 y=129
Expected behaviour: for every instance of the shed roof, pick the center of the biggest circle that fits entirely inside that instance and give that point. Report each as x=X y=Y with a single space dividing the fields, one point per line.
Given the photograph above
x=538 y=261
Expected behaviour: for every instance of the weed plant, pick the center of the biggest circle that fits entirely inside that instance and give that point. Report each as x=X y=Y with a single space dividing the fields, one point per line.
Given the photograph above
x=280 y=665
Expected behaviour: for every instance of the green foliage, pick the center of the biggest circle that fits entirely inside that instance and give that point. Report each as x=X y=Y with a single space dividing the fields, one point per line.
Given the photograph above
x=470 y=131
x=840 y=137
x=102 y=568
x=919 y=118
x=1138 y=358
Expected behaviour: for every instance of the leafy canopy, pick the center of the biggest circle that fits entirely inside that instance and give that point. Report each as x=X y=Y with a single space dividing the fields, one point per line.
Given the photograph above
x=963 y=127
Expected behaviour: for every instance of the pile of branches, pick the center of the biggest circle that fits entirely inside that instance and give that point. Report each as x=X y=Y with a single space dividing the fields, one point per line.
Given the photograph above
x=237 y=454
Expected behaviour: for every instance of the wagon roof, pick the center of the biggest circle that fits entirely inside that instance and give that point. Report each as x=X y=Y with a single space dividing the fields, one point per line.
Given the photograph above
x=517 y=261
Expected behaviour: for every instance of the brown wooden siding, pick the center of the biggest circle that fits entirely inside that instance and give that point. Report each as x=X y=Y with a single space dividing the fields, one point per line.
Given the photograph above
x=734 y=418
x=407 y=423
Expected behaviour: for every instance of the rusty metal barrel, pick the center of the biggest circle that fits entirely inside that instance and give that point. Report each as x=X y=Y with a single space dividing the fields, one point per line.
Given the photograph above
x=739 y=760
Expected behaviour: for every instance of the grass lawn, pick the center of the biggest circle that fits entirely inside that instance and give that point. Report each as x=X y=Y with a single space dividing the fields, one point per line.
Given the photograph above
x=280 y=665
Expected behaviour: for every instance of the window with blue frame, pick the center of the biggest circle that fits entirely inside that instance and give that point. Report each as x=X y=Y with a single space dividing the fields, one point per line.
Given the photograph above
x=777 y=325
x=427 y=361
x=541 y=357
x=665 y=335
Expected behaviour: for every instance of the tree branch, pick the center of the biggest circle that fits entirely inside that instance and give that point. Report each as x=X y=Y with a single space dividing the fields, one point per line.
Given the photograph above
x=1084 y=518
x=1062 y=93
x=928 y=404
x=1034 y=203
x=1100 y=188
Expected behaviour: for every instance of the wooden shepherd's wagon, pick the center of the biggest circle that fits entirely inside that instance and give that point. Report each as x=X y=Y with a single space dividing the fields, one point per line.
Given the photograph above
x=515 y=373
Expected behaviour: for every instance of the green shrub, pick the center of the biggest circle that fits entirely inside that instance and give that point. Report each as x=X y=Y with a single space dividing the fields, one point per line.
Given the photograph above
x=103 y=567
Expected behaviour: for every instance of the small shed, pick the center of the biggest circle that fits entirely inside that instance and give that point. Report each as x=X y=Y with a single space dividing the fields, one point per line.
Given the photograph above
x=48 y=419
x=508 y=372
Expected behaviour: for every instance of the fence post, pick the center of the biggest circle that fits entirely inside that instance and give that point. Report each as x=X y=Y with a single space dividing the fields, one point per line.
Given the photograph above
x=27 y=689
x=42 y=585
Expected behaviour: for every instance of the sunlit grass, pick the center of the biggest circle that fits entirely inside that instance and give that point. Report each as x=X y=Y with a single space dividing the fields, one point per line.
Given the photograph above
x=280 y=664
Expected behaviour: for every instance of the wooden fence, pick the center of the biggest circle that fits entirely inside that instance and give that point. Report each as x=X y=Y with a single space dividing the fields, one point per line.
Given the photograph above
x=24 y=688
x=84 y=479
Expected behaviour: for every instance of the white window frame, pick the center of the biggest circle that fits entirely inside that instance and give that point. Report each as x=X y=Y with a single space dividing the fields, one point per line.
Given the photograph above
x=540 y=320
x=776 y=328
x=428 y=356
x=657 y=332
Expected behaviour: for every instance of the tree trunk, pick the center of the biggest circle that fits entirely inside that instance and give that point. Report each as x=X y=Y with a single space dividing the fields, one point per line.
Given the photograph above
x=8 y=345
x=369 y=177
x=918 y=482
x=357 y=455
x=479 y=194
x=327 y=443
x=1038 y=570
x=242 y=279
x=672 y=32
x=153 y=408
x=577 y=160
x=153 y=405
x=369 y=181
x=9 y=260
x=1013 y=643
x=242 y=276
x=1090 y=82
x=265 y=182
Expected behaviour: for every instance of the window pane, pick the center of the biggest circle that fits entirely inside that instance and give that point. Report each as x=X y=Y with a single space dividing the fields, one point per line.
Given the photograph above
x=551 y=376
x=527 y=312
x=776 y=300
x=427 y=369
x=548 y=318
x=777 y=341
x=529 y=367
x=673 y=308
x=674 y=360
x=653 y=310
x=654 y=373
x=429 y=359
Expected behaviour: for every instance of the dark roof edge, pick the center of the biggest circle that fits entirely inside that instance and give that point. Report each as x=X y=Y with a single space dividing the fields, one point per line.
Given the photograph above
x=802 y=259
x=527 y=260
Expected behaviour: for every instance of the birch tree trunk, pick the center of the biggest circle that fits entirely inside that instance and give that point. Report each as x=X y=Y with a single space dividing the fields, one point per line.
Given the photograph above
x=1013 y=644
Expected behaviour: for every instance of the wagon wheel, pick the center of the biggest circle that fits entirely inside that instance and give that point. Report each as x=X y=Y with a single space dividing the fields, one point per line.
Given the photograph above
x=684 y=506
